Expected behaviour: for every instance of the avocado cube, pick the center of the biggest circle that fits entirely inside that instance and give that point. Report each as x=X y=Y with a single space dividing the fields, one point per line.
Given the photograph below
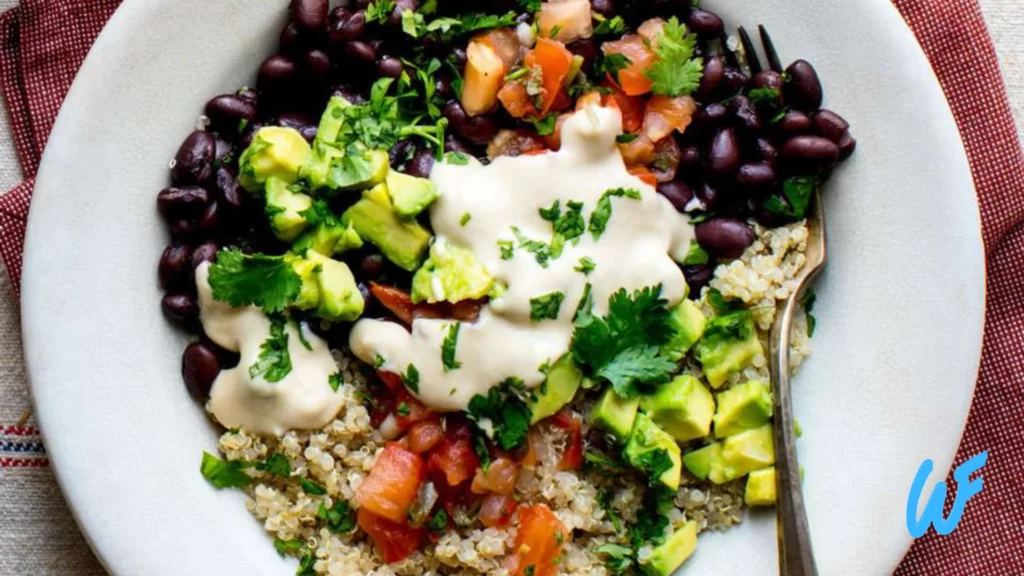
x=410 y=195
x=284 y=207
x=275 y=152
x=340 y=299
x=760 y=490
x=358 y=170
x=309 y=295
x=648 y=447
x=744 y=453
x=728 y=346
x=328 y=240
x=403 y=242
x=614 y=415
x=318 y=165
x=683 y=408
x=742 y=407
x=701 y=462
x=332 y=120
x=670 y=555
x=558 y=389
x=687 y=323
x=450 y=274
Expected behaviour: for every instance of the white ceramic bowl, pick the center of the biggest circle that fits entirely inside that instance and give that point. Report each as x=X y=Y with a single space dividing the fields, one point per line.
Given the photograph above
x=900 y=308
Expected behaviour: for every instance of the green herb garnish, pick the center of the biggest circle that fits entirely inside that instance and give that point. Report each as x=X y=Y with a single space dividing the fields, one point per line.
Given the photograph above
x=274 y=361
x=448 y=348
x=546 y=307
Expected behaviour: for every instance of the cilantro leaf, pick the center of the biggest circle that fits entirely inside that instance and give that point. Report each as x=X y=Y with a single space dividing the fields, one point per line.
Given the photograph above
x=224 y=473
x=609 y=26
x=551 y=214
x=600 y=216
x=507 y=249
x=312 y=488
x=465 y=219
x=439 y=522
x=546 y=307
x=274 y=362
x=618 y=559
x=764 y=97
x=586 y=265
x=509 y=415
x=546 y=125
x=652 y=521
x=568 y=226
x=604 y=499
x=268 y=282
x=334 y=381
x=654 y=464
x=448 y=348
x=411 y=378
x=808 y=301
x=276 y=464
x=307 y=564
x=380 y=10
x=611 y=64
x=530 y=6
x=320 y=213
x=634 y=365
x=286 y=547
x=339 y=518
x=676 y=72
x=541 y=251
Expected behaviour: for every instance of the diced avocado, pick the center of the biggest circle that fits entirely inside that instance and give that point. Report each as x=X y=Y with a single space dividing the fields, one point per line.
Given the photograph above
x=332 y=120
x=340 y=299
x=696 y=256
x=450 y=274
x=760 y=489
x=275 y=152
x=358 y=171
x=728 y=345
x=688 y=326
x=284 y=207
x=683 y=408
x=309 y=295
x=558 y=389
x=744 y=453
x=318 y=165
x=403 y=242
x=648 y=447
x=742 y=407
x=328 y=240
x=671 y=554
x=615 y=415
x=409 y=194
x=701 y=462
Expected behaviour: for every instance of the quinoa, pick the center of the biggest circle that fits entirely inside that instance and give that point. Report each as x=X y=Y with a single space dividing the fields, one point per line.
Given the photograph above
x=340 y=455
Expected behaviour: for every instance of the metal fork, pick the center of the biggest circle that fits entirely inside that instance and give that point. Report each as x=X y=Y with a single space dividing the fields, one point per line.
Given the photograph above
x=796 y=557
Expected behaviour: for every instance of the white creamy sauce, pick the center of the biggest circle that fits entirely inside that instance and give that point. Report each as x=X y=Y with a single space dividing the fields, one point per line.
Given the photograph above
x=636 y=250
x=302 y=400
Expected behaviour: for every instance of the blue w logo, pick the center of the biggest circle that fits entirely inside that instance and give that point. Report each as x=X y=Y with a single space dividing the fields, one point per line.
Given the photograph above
x=966 y=488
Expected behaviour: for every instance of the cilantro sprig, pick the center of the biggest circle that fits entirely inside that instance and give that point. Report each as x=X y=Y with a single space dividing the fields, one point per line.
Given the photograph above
x=508 y=413
x=274 y=362
x=268 y=282
x=676 y=72
x=451 y=340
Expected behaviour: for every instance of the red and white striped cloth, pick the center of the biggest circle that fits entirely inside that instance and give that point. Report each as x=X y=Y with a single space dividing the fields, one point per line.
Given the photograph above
x=43 y=42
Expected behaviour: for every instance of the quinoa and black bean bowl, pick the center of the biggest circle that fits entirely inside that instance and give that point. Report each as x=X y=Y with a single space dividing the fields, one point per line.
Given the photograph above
x=484 y=287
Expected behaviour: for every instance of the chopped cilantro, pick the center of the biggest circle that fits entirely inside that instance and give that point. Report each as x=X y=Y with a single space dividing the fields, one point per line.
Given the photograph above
x=302 y=336
x=403 y=409
x=411 y=378
x=334 y=381
x=544 y=367
x=274 y=362
x=530 y=6
x=586 y=265
x=448 y=348
x=764 y=97
x=379 y=10
x=546 y=307
x=509 y=415
x=569 y=226
x=516 y=74
x=551 y=214
x=286 y=547
x=456 y=158
x=482 y=453
x=529 y=570
x=676 y=72
x=378 y=361
x=276 y=464
x=618 y=559
x=626 y=138
x=604 y=499
x=541 y=251
x=465 y=219
x=339 y=518
x=507 y=249
x=609 y=26
x=307 y=564
x=795 y=199
x=611 y=64
x=654 y=464
x=268 y=282
x=553 y=33
x=601 y=462
x=438 y=522
x=808 y=301
x=600 y=216
x=312 y=488
x=224 y=474
x=320 y=213
x=652 y=520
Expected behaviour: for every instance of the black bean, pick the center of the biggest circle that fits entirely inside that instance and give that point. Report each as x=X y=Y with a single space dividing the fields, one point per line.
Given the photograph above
x=809 y=153
x=734 y=81
x=605 y=8
x=443 y=86
x=227 y=112
x=477 y=129
x=199 y=368
x=710 y=118
x=316 y=64
x=229 y=193
x=831 y=125
x=210 y=219
x=249 y=95
x=399 y=152
x=453 y=144
x=291 y=40
x=360 y=4
x=723 y=155
x=707 y=195
x=765 y=151
x=193 y=164
x=587 y=49
x=847 y=145
x=371 y=266
x=390 y=67
x=678 y=193
x=180 y=309
x=174 y=266
x=276 y=74
x=803 y=89
x=706 y=24
x=346 y=26
x=185 y=202
x=459 y=58
x=697 y=277
x=755 y=178
x=351 y=95
x=421 y=164
x=223 y=153
x=308 y=133
x=794 y=123
x=309 y=14
x=361 y=53
x=294 y=120
x=711 y=79
x=249 y=133
x=204 y=253
x=689 y=159
x=395 y=19
x=725 y=237
x=745 y=114
x=767 y=79
x=182 y=230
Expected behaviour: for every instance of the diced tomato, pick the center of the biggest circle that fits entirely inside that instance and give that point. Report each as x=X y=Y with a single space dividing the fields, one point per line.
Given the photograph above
x=500 y=477
x=391 y=380
x=664 y=115
x=644 y=174
x=395 y=541
x=496 y=510
x=539 y=542
x=401 y=305
x=633 y=78
x=555 y=62
x=631 y=107
x=562 y=101
x=572 y=458
x=638 y=152
x=454 y=459
x=409 y=410
x=390 y=489
x=516 y=101
x=425 y=435
x=554 y=141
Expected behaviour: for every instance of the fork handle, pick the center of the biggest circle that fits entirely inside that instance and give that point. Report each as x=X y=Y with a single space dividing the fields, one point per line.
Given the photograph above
x=796 y=557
